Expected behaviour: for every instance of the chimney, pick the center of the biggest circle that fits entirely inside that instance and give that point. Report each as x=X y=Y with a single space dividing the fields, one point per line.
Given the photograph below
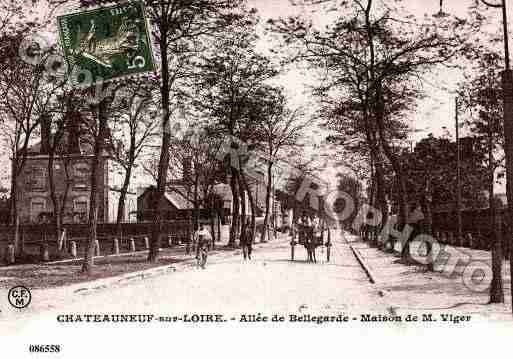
x=73 y=131
x=186 y=174
x=46 y=123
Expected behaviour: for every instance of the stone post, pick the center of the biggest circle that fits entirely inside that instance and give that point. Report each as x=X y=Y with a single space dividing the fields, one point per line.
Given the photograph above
x=443 y=238
x=44 y=252
x=146 y=243
x=470 y=240
x=450 y=239
x=97 y=248
x=132 y=245
x=115 y=246
x=10 y=254
x=73 y=249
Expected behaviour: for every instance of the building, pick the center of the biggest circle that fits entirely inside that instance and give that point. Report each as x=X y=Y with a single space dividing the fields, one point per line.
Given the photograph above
x=71 y=174
x=4 y=209
x=174 y=205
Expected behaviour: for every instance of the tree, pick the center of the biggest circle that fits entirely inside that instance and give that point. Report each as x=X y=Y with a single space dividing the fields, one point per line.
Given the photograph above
x=431 y=171
x=131 y=131
x=435 y=159
x=375 y=55
x=99 y=131
x=353 y=187
x=179 y=28
x=481 y=94
x=26 y=96
x=7 y=10
x=231 y=75
x=65 y=109
x=194 y=161
x=19 y=16
x=280 y=129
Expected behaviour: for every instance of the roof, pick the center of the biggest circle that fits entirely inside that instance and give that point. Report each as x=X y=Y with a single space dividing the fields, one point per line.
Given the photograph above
x=178 y=200
x=224 y=191
x=86 y=147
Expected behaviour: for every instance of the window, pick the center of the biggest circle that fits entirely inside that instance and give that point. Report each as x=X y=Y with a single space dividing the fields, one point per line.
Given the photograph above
x=80 y=209
x=37 y=206
x=80 y=175
x=36 y=179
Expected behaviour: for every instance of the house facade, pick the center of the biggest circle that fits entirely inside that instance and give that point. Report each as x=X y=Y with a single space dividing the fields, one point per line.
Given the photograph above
x=72 y=175
x=72 y=180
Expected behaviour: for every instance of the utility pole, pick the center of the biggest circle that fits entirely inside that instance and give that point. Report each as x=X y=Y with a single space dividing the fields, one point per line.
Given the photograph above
x=507 y=91
x=458 y=173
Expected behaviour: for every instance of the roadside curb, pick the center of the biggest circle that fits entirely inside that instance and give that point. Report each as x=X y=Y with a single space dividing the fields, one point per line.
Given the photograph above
x=365 y=266
x=124 y=278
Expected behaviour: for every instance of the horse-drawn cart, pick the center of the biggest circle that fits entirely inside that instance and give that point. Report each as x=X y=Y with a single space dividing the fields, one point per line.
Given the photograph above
x=308 y=237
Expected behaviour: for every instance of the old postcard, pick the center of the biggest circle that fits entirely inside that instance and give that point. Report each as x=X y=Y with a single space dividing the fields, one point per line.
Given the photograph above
x=255 y=178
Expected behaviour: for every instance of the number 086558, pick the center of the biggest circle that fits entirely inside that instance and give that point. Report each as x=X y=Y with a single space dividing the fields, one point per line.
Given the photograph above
x=36 y=348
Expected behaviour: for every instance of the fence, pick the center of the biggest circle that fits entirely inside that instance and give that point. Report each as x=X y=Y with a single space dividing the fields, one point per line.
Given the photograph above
x=477 y=233
x=40 y=242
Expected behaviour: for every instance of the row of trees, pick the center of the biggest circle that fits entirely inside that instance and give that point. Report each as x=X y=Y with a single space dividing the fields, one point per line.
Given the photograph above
x=210 y=74
x=372 y=62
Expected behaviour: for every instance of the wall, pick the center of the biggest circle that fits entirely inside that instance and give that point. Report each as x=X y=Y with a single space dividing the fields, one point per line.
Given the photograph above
x=34 y=189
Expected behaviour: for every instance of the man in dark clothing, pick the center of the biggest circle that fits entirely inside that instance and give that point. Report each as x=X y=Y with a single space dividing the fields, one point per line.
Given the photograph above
x=246 y=241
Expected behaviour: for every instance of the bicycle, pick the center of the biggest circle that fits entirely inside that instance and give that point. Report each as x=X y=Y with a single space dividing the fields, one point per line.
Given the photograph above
x=202 y=253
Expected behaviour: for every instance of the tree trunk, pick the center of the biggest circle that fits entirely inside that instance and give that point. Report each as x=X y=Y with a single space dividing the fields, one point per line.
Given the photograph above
x=263 y=237
x=51 y=181
x=219 y=218
x=15 y=218
x=379 y=173
x=243 y=209
x=122 y=199
x=496 y=286
x=380 y=194
x=212 y=228
x=252 y=204
x=427 y=228
x=64 y=198
x=235 y=207
x=196 y=203
x=164 y=151
x=97 y=163
x=398 y=170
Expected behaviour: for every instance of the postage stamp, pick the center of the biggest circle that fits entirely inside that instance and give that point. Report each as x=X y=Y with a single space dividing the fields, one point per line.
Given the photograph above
x=106 y=43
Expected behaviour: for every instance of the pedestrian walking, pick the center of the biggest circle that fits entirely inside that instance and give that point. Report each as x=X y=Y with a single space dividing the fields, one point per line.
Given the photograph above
x=246 y=241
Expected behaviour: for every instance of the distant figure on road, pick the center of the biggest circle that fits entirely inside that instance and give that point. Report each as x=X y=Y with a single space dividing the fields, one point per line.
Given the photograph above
x=202 y=237
x=246 y=241
x=316 y=237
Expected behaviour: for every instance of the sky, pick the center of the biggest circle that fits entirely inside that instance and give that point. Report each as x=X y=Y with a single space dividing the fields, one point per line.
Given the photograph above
x=435 y=114
x=437 y=110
